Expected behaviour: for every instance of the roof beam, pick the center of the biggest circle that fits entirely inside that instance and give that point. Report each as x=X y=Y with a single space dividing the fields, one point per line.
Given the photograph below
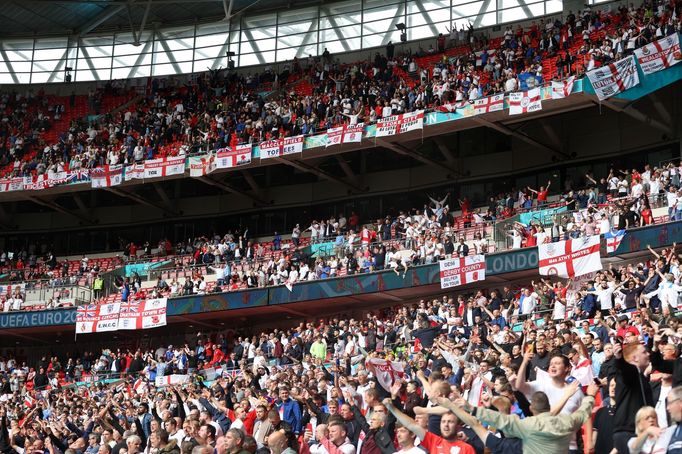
x=106 y=14
x=518 y=135
x=159 y=190
x=251 y=181
x=60 y=209
x=403 y=150
x=321 y=173
x=444 y=150
x=660 y=108
x=632 y=112
x=143 y=201
x=231 y=189
x=346 y=168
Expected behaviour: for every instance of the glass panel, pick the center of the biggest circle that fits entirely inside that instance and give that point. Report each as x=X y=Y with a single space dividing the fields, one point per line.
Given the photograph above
x=186 y=33
x=470 y=9
x=129 y=60
x=343 y=13
x=23 y=45
x=51 y=43
x=124 y=43
x=212 y=29
x=19 y=55
x=40 y=77
x=385 y=13
x=428 y=5
x=179 y=55
x=286 y=54
x=420 y=32
x=336 y=47
x=45 y=65
x=21 y=66
x=141 y=71
x=211 y=40
x=260 y=27
x=415 y=20
x=350 y=32
x=303 y=15
x=208 y=52
x=48 y=54
x=373 y=40
x=6 y=78
x=512 y=14
x=555 y=6
x=160 y=70
x=248 y=60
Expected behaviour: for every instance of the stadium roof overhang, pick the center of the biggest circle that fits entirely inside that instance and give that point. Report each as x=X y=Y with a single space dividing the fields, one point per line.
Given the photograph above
x=81 y=17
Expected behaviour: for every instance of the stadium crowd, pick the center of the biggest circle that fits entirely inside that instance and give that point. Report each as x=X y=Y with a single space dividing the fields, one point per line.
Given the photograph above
x=435 y=376
x=593 y=205
x=217 y=109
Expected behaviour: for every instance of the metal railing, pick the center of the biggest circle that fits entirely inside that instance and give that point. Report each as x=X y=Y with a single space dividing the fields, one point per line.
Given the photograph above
x=546 y=215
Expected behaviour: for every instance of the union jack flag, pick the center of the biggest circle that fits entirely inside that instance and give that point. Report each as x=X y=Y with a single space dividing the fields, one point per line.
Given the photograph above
x=84 y=312
x=130 y=308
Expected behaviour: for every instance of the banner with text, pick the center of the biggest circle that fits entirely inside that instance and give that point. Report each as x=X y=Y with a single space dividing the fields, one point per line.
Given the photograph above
x=97 y=318
x=281 y=147
x=614 y=78
x=660 y=54
x=226 y=158
x=461 y=270
x=143 y=314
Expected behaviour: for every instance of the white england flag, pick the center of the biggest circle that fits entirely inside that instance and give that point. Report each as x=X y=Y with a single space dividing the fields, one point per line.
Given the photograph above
x=614 y=78
x=387 y=126
x=104 y=177
x=660 y=54
x=334 y=136
x=228 y=158
x=175 y=165
x=201 y=165
x=525 y=101
x=386 y=372
x=353 y=133
x=154 y=168
x=134 y=172
x=411 y=121
x=462 y=270
x=570 y=258
x=489 y=104
x=562 y=88
x=170 y=380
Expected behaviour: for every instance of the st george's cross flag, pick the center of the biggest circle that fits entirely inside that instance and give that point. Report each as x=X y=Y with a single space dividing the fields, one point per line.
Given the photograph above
x=525 y=101
x=562 y=88
x=386 y=372
x=614 y=78
x=570 y=258
x=489 y=104
x=660 y=54
x=462 y=270
x=613 y=240
x=107 y=176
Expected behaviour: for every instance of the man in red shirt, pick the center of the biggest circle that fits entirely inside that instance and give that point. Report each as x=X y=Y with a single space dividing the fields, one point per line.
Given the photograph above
x=445 y=444
x=542 y=193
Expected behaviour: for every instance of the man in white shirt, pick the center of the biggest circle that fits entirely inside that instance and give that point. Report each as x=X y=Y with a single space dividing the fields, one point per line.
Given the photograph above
x=552 y=383
x=337 y=441
x=406 y=440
